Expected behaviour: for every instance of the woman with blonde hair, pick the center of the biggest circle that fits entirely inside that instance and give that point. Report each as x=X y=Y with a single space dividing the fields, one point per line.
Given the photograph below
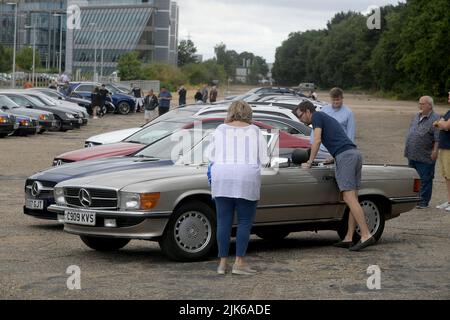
x=239 y=151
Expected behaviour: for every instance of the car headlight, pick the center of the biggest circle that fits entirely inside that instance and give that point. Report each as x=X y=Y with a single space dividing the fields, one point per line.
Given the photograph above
x=138 y=201
x=58 y=193
x=70 y=116
x=3 y=120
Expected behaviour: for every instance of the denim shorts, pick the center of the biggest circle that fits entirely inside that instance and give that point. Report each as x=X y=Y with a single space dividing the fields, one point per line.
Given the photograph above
x=348 y=170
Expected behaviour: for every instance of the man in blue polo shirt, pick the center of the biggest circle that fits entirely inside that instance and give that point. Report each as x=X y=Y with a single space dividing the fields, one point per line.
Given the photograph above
x=328 y=131
x=164 y=101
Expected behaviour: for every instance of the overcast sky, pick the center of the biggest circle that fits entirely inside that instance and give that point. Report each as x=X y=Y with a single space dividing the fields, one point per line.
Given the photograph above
x=258 y=26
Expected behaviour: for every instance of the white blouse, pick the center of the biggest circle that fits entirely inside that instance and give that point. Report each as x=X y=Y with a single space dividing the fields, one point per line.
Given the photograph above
x=237 y=156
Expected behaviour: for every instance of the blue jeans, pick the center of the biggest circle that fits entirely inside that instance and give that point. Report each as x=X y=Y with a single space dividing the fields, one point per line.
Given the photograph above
x=426 y=173
x=246 y=211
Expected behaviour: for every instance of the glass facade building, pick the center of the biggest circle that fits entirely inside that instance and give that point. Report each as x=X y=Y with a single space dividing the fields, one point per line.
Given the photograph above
x=40 y=19
x=101 y=32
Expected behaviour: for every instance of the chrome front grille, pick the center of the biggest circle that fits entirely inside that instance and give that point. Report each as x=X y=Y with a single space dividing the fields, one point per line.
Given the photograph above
x=91 y=198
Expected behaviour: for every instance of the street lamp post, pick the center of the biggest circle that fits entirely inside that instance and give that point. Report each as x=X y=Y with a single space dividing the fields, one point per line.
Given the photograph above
x=60 y=42
x=101 y=64
x=13 y=79
x=95 y=49
x=34 y=51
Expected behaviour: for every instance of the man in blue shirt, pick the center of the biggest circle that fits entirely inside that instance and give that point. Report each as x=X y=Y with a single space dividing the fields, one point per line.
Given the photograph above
x=164 y=101
x=328 y=131
x=341 y=113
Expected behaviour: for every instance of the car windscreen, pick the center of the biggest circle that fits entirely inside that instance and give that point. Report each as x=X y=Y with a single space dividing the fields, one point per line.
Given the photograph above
x=44 y=100
x=112 y=89
x=174 y=146
x=6 y=102
x=53 y=95
x=35 y=101
x=155 y=132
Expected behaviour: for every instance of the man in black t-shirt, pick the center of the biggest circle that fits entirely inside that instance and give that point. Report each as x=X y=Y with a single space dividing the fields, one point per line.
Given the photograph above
x=348 y=159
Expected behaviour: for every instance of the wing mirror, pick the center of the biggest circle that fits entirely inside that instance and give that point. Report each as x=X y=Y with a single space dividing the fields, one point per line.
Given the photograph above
x=300 y=156
x=279 y=162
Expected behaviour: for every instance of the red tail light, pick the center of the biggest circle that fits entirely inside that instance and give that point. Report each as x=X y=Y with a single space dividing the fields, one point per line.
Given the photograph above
x=417 y=184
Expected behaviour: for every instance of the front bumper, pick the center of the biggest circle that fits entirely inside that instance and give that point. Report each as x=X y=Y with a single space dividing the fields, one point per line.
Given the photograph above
x=130 y=225
x=6 y=128
x=48 y=124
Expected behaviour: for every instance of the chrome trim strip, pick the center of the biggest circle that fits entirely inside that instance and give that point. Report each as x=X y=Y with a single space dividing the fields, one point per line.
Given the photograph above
x=405 y=200
x=107 y=213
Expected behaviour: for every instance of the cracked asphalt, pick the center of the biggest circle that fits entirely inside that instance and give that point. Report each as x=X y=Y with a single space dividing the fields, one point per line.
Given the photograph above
x=413 y=253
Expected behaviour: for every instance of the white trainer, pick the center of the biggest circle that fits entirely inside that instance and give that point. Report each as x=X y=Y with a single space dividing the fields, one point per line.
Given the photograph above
x=443 y=206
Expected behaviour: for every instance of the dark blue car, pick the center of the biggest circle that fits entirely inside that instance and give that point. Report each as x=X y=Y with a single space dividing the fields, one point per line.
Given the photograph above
x=123 y=103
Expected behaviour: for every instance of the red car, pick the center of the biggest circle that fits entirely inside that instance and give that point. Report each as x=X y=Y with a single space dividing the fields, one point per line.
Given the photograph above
x=150 y=134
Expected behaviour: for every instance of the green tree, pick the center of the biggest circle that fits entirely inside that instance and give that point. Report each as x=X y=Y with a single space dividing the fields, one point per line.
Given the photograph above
x=186 y=52
x=129 y=66
x=258 y=70
x=24 y=59
x=425 y=46
x=227 y=58
x=205 y=72
x=6 y=58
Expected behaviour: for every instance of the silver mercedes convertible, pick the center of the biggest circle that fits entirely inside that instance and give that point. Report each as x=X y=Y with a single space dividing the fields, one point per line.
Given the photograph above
x=173 y=205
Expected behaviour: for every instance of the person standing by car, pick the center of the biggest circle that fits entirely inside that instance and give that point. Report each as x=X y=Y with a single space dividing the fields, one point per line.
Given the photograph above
x=328 y=131
x=96 y=102
x=205 y=93
x=137 y=93
x=150 y=105
x=164 y=101
x=213 y=94
x=444 y=153
x=198 y=97
x=239 y=151
x=103 y=95
x=182 y=96
x=421 y=148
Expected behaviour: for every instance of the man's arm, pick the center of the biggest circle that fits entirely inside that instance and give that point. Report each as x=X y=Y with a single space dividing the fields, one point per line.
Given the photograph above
x=314 y=148
x=351 y=127
x=444 y=125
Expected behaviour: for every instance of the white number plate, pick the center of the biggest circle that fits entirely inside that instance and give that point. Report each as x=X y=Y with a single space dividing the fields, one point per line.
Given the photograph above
x=35 y=204
x=79 y=217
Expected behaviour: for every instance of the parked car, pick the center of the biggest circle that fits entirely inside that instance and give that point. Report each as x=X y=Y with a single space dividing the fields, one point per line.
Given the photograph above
x=258 y=110
x=56 y=95
x=159 y=130
x=66 y=118
x=264 y=90
x=26 y=126
x=284 y=124
x=80 y=113
x=7 y=124
x=45 y=120
x=174 y=207
x=123 y=103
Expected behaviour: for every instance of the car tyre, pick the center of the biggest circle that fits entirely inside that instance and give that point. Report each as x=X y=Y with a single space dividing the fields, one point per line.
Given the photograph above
x=104 y=244
x=190 y=234
x=375 y=219
x=124 y=108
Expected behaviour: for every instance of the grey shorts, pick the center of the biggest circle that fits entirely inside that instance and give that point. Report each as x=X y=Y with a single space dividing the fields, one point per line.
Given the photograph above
x=348 y=170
